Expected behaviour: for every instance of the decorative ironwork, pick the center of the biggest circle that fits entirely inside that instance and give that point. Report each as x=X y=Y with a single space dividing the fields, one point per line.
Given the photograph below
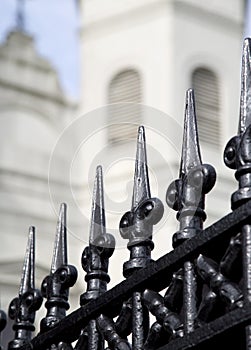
x=187 y=196
x=199 y=293
x=237 y=155
x=22 y=309
x=95 y=260
x=137 y=226
x=3 y=322
x=55 y=287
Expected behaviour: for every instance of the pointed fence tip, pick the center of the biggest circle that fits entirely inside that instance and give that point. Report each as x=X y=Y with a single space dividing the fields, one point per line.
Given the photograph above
x=63 y=207
x=60 y=246
x=245 y=96
x=98 y=224
x=32 y=231
x=141 y=187
x=141 y=133
x=190 y=156
x=246 y=43
x=27 y=279
x=99 y=171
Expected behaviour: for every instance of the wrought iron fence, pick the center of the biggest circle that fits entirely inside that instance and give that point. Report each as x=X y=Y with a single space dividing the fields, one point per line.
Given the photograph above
x=205 y=280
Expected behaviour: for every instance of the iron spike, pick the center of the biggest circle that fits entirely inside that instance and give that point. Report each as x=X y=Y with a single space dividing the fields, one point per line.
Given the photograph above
x=27 y=280
x=60 y=245
x=245 y=98
x=98 y=225
x=141 y=187
x=190 y=156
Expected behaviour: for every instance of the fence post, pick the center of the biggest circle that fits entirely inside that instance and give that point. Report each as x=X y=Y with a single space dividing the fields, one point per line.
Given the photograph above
x=137 y=226
x=55 y=287
x=23 y=308
x=237 y=155
x=187 y=196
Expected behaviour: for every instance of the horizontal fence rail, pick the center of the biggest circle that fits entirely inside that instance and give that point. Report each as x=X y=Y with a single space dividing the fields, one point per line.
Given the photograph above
x=157 y=275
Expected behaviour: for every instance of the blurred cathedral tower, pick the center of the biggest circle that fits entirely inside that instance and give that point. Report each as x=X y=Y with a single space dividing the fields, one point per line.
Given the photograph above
x=33 y=112
x=150 y=52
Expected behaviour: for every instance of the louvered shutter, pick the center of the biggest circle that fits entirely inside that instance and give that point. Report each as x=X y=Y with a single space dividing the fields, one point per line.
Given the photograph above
x=124 y=115
x=206 y=88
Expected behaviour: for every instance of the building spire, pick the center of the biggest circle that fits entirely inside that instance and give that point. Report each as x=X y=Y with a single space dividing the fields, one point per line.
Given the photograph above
x=20 y=15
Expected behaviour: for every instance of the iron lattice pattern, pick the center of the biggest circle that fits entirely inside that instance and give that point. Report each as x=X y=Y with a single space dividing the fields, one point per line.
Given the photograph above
x=205 y=281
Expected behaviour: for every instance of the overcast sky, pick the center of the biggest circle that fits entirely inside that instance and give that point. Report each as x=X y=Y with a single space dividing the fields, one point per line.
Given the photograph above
x=54 y=24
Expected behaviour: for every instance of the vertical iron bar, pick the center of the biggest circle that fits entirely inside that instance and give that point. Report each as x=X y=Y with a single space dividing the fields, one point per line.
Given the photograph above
x=137 y=321
x=246 y=246
x=3 y=321
x=95 y=258
x=237 y=155
x=137 y=227
x=23 y=308
x=187 y=196
x=190 y=296
x=94 y=341
x=55 y=287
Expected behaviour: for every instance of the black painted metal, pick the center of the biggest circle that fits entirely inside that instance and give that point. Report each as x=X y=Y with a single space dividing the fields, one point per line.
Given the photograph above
x=199 y=293
x=55 y=287
x=187 y=195
x=137 y=226
x=237 y=156
x=22 y=309
x=95 y=260
x=3 y=322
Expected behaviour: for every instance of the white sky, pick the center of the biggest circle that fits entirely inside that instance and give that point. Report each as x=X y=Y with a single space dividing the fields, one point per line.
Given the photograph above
x=247 y=31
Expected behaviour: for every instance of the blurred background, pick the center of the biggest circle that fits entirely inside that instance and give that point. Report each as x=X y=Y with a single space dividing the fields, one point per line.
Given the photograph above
x=77 y=78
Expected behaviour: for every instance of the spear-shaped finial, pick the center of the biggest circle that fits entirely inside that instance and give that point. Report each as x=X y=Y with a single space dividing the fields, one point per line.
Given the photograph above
x=60 y=247
x=141 y=188
x=95 y=261
x=98 y=226
x=237 y=155
x=137 y=226
x=55 y=287
x=22 y=309
x=190 y=156
x=245 y=98
x=187 y=194
x=27 y=279
x=95 y=257
x=237 y=151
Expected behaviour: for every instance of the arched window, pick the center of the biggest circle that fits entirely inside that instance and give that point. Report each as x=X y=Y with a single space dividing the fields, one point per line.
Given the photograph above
x=124 y=117
x=207 y=98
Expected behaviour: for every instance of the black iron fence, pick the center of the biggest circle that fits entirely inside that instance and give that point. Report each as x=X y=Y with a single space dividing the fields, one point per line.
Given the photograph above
x=205 y=281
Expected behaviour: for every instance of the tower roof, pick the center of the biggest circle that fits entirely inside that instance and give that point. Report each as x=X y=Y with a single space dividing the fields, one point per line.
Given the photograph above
x=23 y=69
